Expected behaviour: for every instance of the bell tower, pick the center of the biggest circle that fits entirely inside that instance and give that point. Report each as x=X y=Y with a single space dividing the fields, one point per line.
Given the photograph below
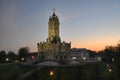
x=53 y=49
x=53 y=29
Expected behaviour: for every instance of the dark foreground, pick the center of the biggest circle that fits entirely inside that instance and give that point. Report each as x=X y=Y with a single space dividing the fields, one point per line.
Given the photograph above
x=88 y=71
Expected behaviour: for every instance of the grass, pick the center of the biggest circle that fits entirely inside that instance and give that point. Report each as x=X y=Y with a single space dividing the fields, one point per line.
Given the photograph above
x=24 y=68
x=12 y=71
x=9 y=71
x=89 y=71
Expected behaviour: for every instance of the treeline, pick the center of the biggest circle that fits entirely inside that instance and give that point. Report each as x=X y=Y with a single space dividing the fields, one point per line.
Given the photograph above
x=22 y=55
x=111 y=54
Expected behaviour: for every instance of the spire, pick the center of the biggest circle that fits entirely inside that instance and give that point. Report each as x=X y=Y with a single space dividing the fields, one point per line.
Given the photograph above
x=54 y=17
x=54 y=11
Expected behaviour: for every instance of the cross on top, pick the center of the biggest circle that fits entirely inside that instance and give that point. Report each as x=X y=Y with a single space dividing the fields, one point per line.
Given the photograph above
x=54 y=10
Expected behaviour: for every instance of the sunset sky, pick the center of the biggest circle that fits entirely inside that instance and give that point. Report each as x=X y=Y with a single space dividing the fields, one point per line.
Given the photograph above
x=91 y=24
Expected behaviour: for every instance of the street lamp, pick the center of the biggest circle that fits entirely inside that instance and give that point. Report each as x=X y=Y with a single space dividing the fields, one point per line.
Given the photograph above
x=84 y=58
x=23 y=59
x=110 y=70
x=73 y=57
x=99 y=59
x=51 y=73
x=7 y=59
x=113 y=59
x=33 y=57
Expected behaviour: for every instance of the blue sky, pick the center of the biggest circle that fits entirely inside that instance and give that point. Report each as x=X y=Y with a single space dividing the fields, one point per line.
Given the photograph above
x=91 y=24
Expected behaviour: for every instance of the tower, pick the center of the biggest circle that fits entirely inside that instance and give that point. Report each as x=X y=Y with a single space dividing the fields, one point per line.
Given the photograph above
x=53 y=29
x=53 y=49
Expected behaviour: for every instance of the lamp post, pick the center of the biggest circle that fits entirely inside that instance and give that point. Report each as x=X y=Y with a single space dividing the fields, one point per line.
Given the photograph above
x=7 y=59
x=51 y=74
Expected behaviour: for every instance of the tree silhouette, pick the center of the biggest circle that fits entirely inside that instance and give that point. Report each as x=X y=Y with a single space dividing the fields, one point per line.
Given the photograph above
x=23 y=53
x=111 y=54
x=108 y=53
x=12 y=56
x=2 y=56
x=118 y=53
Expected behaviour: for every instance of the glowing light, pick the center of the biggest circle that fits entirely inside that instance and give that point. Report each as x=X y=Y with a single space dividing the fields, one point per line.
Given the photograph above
x=23 y=59
x=33 y=57
x=110 y=70
x=16 y=61
x=7 y=59
x=73 y=57
x=99 y=59
x=51 y=73
x=113 y=59
x=84 y=58
x=108 y=65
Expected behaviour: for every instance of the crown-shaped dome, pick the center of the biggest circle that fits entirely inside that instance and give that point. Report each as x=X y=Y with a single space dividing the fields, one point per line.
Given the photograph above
x=54 y=17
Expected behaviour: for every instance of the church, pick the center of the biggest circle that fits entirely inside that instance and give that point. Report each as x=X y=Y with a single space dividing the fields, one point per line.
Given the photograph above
x=53 y=49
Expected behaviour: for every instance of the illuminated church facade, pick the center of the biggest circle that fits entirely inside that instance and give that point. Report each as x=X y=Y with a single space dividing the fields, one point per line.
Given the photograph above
x=53 y=49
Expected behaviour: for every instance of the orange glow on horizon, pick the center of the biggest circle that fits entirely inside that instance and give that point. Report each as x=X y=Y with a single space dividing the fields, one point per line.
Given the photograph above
x=95 y=44
x=92 y=46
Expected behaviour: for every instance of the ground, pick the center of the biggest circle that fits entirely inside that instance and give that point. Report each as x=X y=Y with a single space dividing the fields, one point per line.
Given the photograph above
x=87 y=71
